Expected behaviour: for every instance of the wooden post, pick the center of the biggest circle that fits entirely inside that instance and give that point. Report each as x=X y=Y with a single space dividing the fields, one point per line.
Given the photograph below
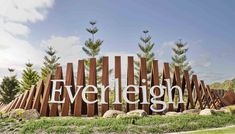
x=166 y=75
x=186 y=82
x=54 y=106
x=14 y=104
x=80 y=106
x=38 y=94
x=91 y=108
x=105 y=82
x=130 y=81
x=204 y=95
x=118 y=76
x=67 y=106
x=19 y=101
x=155 y=81
x=44 y=111
x=196 y=86
x=9 y=106
x=30 y=98
x=210 y=96
x=177 y=81
x=143 y=81
x=23 y=102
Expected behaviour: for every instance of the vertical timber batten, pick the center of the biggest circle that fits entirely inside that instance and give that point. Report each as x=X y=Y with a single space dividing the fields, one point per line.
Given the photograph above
x=117 y=74
x=105 y=83
x=130 y=81
x=80 y=106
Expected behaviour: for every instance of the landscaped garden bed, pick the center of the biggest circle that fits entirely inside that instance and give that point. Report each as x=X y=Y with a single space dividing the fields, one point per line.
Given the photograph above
x=149 y=124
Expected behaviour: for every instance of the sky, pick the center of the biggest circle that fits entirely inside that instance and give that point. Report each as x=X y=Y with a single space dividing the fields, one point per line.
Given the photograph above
x=27 y=28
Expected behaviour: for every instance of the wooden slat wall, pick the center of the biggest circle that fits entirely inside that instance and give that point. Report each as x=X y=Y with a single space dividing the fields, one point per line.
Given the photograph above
x=38 y=96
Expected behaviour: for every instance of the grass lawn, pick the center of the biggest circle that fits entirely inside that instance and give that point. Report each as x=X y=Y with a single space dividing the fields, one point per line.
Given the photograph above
x=151 y=124
x=229 y=130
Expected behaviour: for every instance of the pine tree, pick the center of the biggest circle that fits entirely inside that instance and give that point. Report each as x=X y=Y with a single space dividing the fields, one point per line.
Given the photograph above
x=29 y=77
x=50 y=63
x=92 y=48
x=179 y=57
x=146 y=47
x=9 y=88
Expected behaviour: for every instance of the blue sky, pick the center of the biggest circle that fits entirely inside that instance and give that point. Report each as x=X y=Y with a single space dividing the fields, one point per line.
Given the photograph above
x=206 y=25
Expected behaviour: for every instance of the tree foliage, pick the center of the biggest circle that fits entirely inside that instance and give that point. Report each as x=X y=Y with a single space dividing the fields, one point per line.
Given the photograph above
x=9 y=88
x=50 y=63
x=226 y=85
x=145 y=47
x=179 y=57
x=92 y=49
x=29 y=77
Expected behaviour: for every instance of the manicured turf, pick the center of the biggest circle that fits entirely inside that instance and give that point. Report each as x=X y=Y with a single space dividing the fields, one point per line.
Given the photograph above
x=151 y=124
x=229 y=130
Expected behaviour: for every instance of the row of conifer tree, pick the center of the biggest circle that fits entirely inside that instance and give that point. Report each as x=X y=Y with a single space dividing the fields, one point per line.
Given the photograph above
x=10 y=86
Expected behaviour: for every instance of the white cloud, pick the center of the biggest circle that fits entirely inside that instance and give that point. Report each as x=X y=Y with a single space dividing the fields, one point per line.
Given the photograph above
x=202 y=60
x=212 y=76
x=15 y=15
x=68 y=48
x=24 y=11
x=165 y=47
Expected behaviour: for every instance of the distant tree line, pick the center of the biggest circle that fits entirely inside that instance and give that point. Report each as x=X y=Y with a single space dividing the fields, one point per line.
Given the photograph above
x=226 y=85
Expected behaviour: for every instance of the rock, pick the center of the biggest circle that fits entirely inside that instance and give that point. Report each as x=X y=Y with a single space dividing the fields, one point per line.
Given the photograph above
x=31 y=114
x=192 y=111
x=139 y=113
x=225 y=110
x=210 y=112
x=206 y=112
x=16 y=113
x=112 y=113
x=215 y=111
x=173 y=113
x=121 y=116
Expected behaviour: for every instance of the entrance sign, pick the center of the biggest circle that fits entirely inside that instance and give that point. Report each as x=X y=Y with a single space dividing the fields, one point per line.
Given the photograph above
x=125 y=92
x=63 y=95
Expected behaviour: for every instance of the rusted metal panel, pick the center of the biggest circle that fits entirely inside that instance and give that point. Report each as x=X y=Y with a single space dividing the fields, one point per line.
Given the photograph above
x=155 y=80
x=80 y=107
x=130 y=81
x=143 y=81
x=117 y=76
x=67 y=107
x=105 y=82
x=54 y=106
x=38 y=95
x=25 y=97
x=29 y=102
x=44 y=111
x=91 y=108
